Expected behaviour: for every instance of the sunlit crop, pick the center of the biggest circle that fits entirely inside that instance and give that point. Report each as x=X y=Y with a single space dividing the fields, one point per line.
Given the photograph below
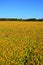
x=21 y=43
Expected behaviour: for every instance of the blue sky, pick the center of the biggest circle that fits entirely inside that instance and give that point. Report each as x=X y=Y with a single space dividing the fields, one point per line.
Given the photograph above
x=21 y=8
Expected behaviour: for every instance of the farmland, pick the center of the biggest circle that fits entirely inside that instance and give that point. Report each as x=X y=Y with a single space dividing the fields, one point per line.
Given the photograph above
x=21 y=43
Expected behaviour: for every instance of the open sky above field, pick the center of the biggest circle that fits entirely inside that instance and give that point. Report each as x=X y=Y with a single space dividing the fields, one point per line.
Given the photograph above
x=21 y=8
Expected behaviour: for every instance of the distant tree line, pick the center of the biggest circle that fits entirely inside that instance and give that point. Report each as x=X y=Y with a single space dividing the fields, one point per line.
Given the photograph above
x=16 y=19
x=10 y=19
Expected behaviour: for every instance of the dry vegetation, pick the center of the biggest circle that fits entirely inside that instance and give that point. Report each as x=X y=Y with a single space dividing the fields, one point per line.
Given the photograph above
x=21 y=43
